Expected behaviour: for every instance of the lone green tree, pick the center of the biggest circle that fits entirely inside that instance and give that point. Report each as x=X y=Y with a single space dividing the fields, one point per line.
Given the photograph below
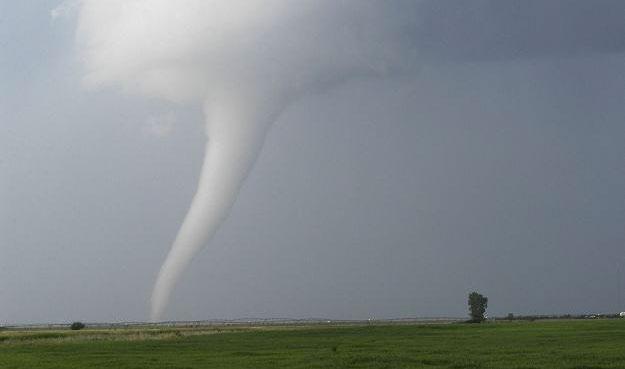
x=477 y=307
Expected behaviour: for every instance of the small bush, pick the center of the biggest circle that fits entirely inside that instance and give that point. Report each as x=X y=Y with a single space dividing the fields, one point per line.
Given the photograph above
x=76 y=326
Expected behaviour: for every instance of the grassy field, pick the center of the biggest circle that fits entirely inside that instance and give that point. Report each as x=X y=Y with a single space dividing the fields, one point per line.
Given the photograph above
x=589 y=344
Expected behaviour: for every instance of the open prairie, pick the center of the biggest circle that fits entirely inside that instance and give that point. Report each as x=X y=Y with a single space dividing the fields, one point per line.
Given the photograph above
x=542 y=344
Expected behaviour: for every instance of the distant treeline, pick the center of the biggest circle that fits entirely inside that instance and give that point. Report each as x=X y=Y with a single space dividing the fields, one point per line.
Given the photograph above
x=559 y=316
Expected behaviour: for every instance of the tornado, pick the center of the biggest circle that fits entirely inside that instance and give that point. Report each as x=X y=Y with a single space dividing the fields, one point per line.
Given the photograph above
x=244 y=62
x=236 y=126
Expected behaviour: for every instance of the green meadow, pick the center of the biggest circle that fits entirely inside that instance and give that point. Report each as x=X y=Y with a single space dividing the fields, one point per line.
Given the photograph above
x=580 y=344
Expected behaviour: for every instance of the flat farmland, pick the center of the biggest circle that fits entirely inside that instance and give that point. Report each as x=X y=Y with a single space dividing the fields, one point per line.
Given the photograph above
x=575 y=344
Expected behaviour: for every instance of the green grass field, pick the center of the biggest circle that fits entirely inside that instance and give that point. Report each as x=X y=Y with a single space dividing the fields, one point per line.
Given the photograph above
x=589 y=344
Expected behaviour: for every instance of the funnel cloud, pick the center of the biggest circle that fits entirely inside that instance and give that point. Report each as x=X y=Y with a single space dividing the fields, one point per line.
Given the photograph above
x=244 y=61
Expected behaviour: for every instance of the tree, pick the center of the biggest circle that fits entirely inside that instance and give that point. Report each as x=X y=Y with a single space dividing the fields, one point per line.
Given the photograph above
x=76 y=326
x=477 y=306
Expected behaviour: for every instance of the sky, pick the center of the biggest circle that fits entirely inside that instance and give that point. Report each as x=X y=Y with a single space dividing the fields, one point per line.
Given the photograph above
x=496 y=165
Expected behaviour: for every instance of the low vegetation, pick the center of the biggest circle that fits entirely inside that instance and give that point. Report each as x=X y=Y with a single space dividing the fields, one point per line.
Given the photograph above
x=76 y=326
x=574 y=344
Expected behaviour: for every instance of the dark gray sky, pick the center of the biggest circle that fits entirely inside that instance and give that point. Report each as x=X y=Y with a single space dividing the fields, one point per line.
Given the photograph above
x=499 y=167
